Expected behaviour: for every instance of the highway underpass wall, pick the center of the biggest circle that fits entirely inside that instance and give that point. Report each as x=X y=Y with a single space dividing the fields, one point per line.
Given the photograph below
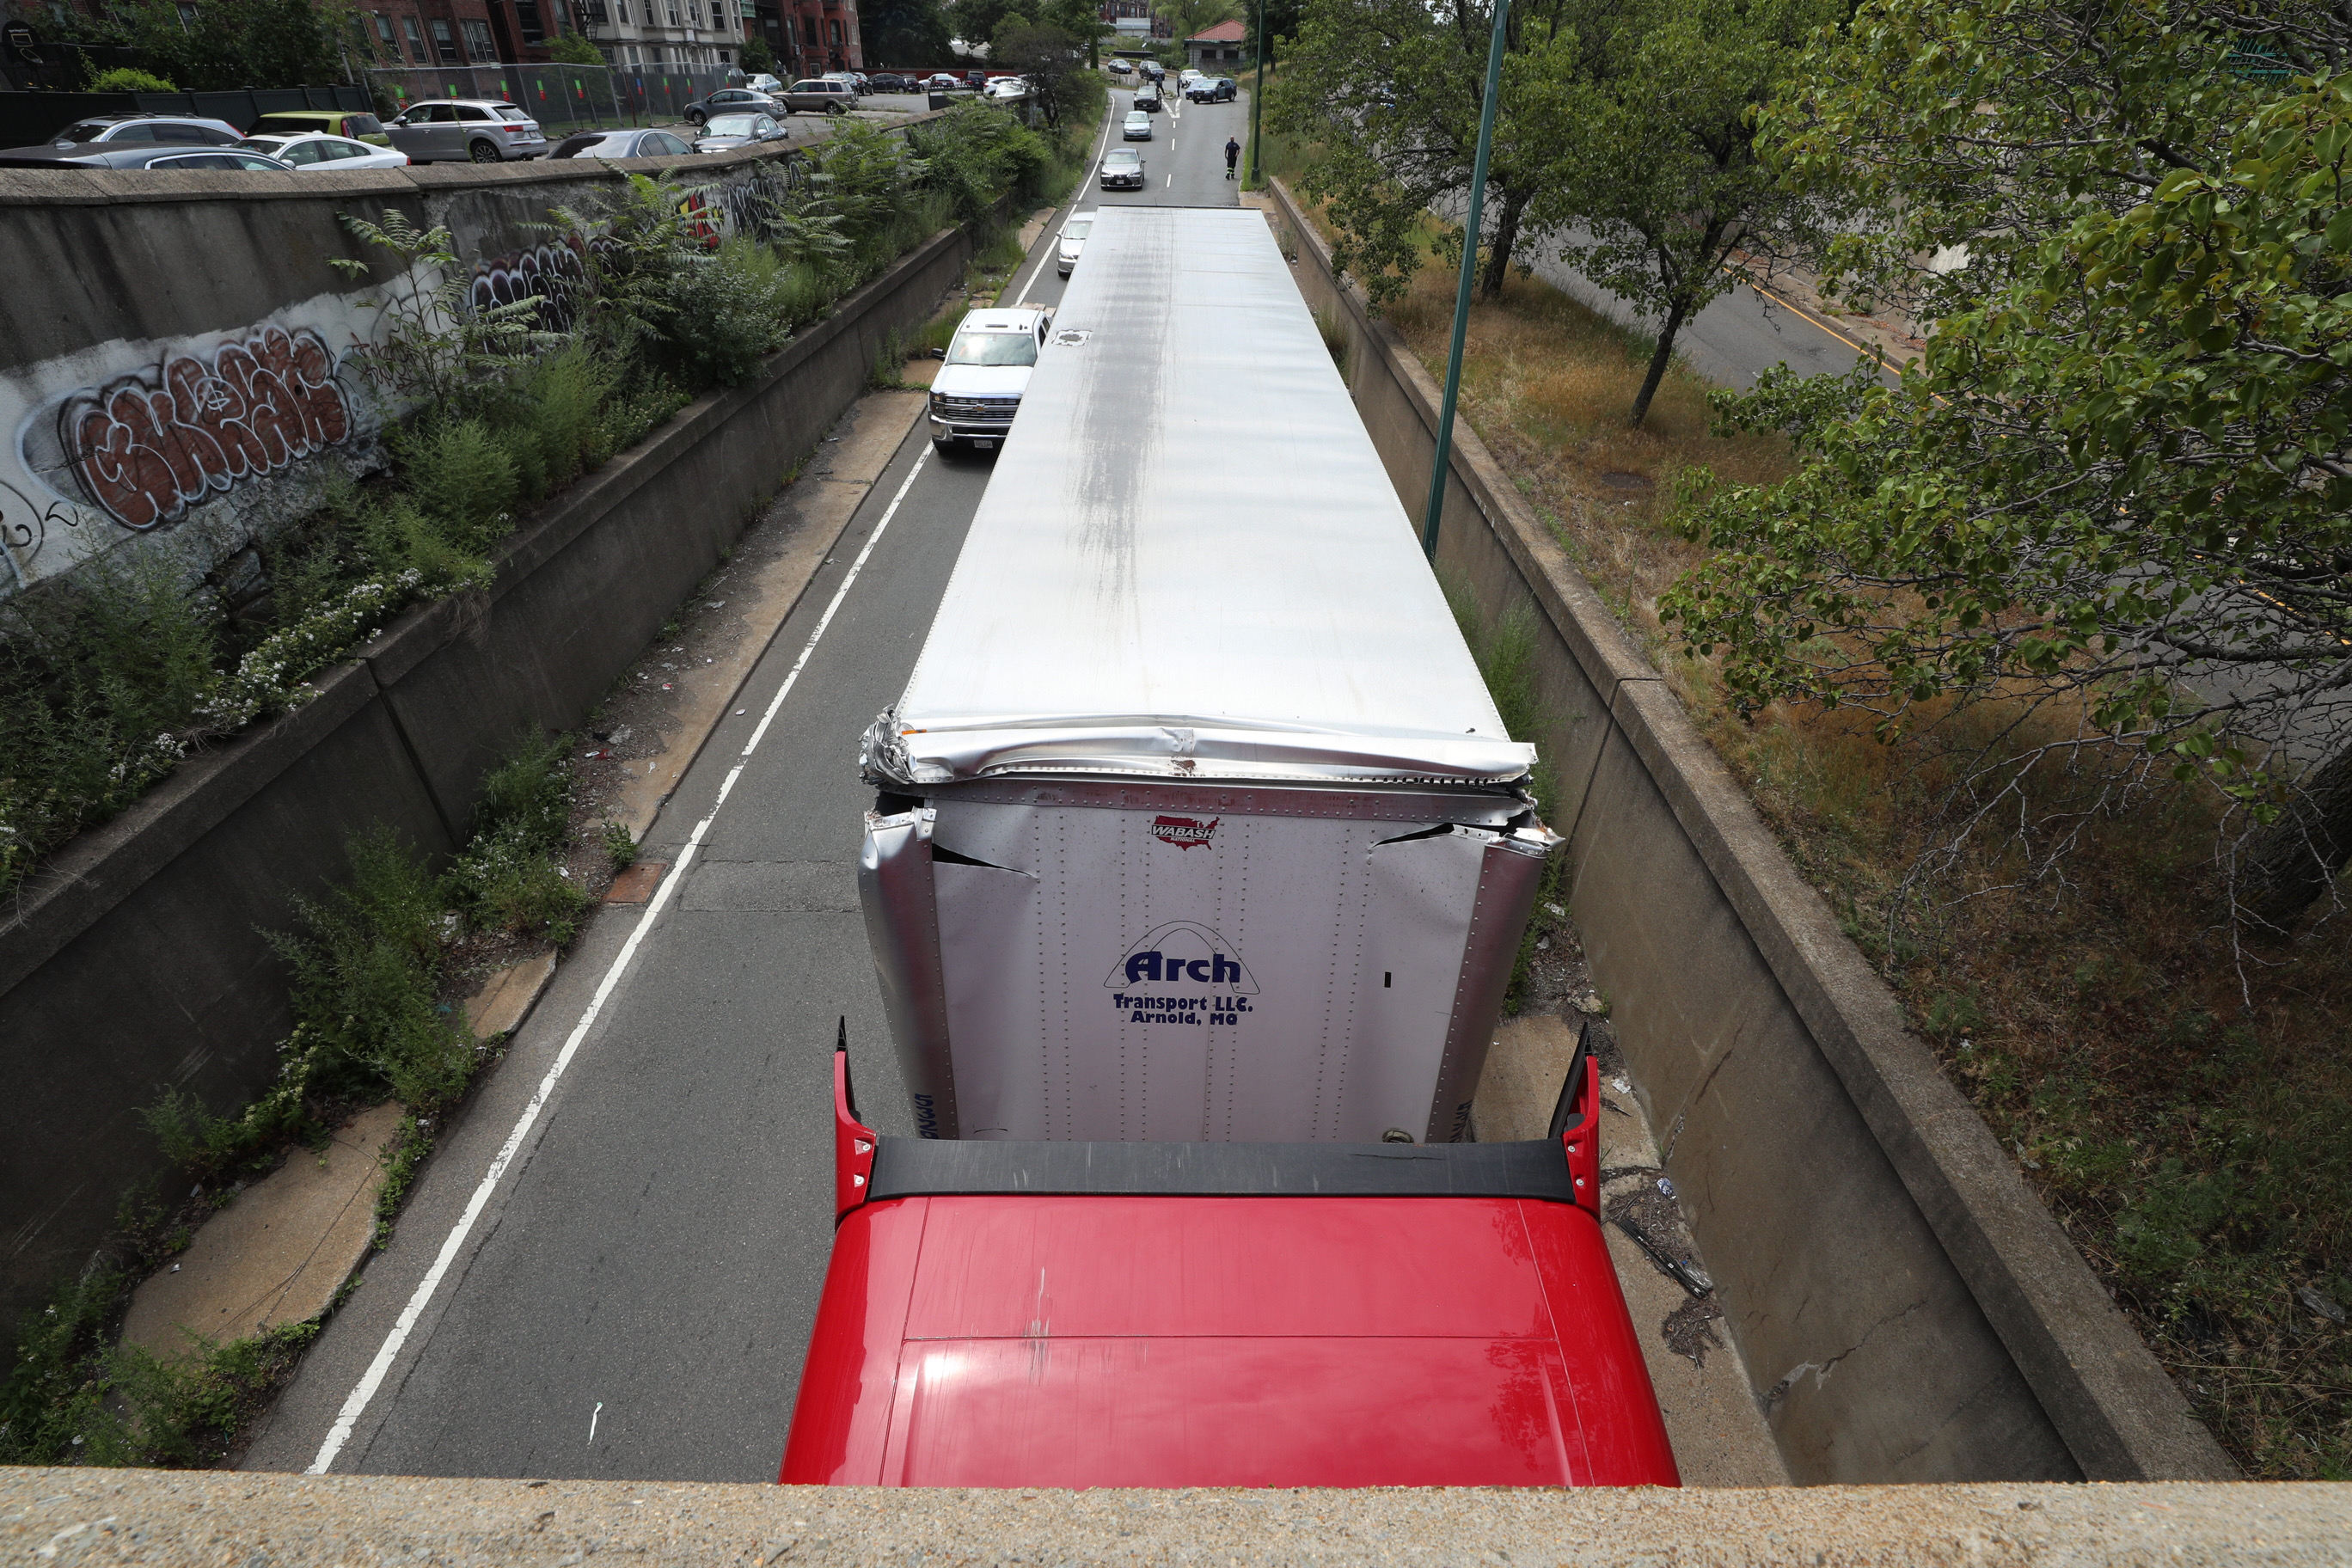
x=1906 y=1307
x=133 y=960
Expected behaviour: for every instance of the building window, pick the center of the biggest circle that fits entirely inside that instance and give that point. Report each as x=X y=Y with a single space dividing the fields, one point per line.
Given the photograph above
x=384 y=31
x=833 y=25
x=445 y=44
x=527 y=12
x=694 y=13
x=415 y=40
x=621 y=11
x=478 y=42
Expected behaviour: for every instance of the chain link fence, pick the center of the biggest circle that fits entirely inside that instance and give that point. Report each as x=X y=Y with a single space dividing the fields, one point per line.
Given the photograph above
x=562 y=97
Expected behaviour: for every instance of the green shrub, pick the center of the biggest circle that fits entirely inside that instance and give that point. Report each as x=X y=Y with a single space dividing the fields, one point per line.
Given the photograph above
x=128 y=78
x=506 y=877
x=462 y=476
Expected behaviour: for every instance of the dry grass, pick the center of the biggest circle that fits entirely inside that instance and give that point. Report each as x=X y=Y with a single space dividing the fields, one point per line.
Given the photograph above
x=2194 y=1139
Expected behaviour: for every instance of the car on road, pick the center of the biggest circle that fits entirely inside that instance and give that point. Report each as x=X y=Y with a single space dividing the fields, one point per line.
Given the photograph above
x=348 y=123
x=1120 y=67
x=1122 y=169
x=730 y=131
x=309 y=150
x=1073 y=241
x=621 y=145
x=1147 y=98
x=978 y=388
x=1211 y=90
x=820 y=95
x=1187 y=76
x=891 y=81
x=166 y=159
x=1137 y=127
x=1007 y=87
x=731 y=101
x=940 y=81
x=134 y=129
x=457 y=129
x=854 y=82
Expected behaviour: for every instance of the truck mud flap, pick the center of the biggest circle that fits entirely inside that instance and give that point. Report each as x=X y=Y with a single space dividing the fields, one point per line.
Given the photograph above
x=902 y=929
x=1511 y=867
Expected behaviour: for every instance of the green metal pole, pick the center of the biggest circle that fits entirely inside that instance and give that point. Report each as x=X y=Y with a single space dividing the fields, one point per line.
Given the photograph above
x=1443 y=457
x=1257 y=96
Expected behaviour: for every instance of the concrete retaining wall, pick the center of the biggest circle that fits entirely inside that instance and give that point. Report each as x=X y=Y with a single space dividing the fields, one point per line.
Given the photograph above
x=132 y=962
x=1908 y=1309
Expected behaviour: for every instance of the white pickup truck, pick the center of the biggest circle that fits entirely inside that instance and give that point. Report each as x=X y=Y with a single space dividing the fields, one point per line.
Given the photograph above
x=978 y=390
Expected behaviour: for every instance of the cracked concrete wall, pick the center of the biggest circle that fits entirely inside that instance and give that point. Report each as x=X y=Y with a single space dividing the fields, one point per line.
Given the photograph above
x=1907 y=1308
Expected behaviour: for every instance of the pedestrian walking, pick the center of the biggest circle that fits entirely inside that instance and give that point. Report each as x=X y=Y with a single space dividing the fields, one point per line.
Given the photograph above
x=1233 y=155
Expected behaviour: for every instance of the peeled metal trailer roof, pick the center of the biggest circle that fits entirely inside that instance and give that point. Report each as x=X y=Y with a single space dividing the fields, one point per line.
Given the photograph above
x=1189 y=562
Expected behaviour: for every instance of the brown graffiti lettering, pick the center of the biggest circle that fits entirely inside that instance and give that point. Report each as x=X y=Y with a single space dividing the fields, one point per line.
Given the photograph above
x=149 y=445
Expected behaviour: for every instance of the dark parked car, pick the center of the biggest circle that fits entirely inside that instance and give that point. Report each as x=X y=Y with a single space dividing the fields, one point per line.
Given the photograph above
x=730 y=130
x=731 y=101
x=1122 y=169
x=1211 y=90
x=213 y=160
x=621 y=145
x=891 y=81
x=132 y=129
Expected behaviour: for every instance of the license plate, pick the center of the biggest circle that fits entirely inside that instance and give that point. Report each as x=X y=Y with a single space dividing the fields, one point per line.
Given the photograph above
x=983 y=445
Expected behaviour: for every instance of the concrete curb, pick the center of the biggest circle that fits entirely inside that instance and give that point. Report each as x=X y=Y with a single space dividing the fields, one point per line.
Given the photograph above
x=2081 y=1362
x=90 y=1515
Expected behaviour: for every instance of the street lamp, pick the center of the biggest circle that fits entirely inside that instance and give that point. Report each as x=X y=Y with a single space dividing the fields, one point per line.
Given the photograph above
x=1442 y=460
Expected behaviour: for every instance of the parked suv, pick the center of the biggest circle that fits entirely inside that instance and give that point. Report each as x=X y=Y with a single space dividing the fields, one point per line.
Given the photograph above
x=1211 y=90
x=821 y=94
x=977 y=392
x=484 y=130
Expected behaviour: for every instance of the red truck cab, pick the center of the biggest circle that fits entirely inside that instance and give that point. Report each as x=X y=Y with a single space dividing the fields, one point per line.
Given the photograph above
x=1150 y=1315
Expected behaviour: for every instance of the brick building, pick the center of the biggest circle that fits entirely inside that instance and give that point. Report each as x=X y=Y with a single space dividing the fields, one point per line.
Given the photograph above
x=810 y=37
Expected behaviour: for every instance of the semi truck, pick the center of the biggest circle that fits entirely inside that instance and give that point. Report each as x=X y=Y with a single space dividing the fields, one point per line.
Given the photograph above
x=1200 y=1313
x=1195 y=822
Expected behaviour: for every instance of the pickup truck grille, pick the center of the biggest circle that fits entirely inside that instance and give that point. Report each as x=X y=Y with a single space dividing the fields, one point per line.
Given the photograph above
x=999 y=409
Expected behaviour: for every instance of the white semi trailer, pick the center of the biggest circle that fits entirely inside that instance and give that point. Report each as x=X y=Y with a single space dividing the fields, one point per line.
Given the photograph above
x=1195 y=819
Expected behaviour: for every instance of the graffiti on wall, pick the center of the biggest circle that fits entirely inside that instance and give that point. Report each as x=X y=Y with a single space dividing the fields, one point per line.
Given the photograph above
x=150 y=445
x=552 y=273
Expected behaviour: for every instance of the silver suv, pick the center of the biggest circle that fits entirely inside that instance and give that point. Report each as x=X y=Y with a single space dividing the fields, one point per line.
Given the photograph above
x=484 y=130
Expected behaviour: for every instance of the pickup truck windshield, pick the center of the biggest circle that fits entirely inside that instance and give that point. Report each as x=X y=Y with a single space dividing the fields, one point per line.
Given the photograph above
x=992 y=348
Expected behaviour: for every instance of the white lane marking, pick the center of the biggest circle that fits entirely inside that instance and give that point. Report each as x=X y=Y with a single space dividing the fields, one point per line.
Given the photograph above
x=386 y=1354
x=1171 y=180
x=592 y=1421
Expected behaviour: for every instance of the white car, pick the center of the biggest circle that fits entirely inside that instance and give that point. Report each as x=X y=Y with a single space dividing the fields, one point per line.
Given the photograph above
x=1074 y=240
x=1007 y=87
x=317 y=150
x=763 y=82
x=1187 y=76
x=978 y=391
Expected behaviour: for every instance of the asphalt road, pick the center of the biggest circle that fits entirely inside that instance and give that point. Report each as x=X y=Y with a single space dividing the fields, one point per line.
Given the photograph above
x=633 y=1299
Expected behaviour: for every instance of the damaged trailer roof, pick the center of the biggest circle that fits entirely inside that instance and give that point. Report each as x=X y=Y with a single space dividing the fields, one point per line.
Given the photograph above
x=1189 y=562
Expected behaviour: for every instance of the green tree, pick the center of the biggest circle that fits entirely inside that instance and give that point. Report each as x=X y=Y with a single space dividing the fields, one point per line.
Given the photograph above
x=1187 y=18
x=241 y=43
x=1655 y=178
x=906 y=33
x=1281 y=19
x=976 y=21
x=2119 y=480
x=575 y=49
x=758 y=59
x=1391 y=91
x=1053 y=62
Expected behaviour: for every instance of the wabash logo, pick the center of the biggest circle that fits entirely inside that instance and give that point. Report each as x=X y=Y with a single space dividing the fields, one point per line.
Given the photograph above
x=1183 y=831
x=1182 y=952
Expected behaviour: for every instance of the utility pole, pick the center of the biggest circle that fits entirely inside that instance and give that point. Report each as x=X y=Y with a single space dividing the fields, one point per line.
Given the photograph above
x=1442 y=460
x=1257 y=99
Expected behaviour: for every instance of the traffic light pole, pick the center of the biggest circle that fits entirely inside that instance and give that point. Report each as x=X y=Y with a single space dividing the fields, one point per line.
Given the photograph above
x=1257 y=98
